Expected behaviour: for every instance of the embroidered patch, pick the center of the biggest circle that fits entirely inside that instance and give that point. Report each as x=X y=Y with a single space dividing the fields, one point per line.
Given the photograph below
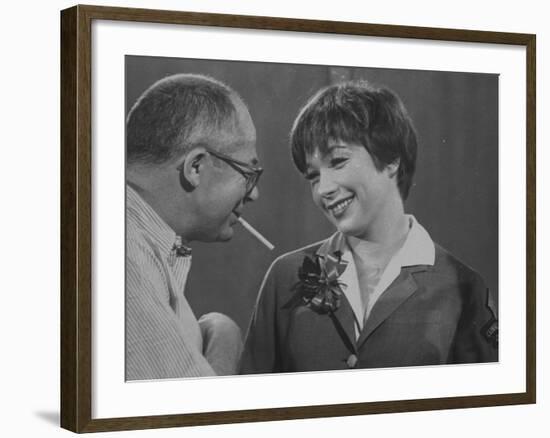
x=490 y=332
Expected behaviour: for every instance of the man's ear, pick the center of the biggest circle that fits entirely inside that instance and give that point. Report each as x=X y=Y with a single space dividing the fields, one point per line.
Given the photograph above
x=191 y=168
x=393 y=168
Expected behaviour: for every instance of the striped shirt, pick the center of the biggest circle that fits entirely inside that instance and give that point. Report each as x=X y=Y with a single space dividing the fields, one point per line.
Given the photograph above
x=163 y=338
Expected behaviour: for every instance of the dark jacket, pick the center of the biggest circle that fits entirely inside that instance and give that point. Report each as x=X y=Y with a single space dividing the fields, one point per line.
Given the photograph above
x=429 y=315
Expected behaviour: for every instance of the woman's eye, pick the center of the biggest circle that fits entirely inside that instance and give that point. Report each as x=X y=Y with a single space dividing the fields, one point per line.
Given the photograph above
x=312 y=177
x=338 y=162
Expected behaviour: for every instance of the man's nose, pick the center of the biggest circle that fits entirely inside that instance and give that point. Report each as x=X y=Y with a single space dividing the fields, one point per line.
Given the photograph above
x=254 y=194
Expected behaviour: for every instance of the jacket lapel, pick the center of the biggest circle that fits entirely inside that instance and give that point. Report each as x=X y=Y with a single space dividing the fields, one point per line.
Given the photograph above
x=417 y=254
x=344 y=317
x=344 y=320
x=396 y=294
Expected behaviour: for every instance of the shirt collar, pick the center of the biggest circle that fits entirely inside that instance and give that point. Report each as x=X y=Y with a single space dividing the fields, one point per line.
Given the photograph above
x=418 y=248
x=142 y=214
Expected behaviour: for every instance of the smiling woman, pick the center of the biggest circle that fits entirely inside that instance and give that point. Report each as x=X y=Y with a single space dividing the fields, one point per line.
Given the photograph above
x=401 y=299
x=356 y=197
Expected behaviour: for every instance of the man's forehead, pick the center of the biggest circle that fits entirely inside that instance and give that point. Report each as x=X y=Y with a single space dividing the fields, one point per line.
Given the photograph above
x=242 y=149
x=239 y=139
x=232 y=144
x=229 y=136
x=243 y=119
x=248 y=154
x=240 y=129
x=235 y=137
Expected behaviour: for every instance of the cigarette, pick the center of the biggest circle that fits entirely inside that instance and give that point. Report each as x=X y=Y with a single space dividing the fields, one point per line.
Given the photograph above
x=255 y=233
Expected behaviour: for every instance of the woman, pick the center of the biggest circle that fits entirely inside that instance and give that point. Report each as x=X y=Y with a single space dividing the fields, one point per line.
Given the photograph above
x=379 y=292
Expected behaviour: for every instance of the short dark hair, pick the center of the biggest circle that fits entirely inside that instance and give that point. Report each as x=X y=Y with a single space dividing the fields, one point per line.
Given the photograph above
x=167 y=115
x=356 y=112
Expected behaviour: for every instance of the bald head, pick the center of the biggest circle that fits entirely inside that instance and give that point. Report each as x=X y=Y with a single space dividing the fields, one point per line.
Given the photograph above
x=173 y=132
x=175 y=113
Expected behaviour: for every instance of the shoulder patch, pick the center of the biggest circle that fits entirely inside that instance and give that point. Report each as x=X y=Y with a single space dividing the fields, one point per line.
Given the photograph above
x=490 y=332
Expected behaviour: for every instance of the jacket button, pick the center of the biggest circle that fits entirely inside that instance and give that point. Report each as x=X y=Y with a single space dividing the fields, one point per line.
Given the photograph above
x=352 y=361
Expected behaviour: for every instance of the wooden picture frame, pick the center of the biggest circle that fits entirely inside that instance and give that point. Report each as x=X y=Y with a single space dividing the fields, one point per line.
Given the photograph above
x=76 y=217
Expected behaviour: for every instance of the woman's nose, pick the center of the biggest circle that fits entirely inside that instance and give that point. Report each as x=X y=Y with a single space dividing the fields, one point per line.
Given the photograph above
x=326 y=184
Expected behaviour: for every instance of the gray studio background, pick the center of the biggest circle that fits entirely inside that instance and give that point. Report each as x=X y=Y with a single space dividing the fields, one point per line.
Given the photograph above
x=454 y=193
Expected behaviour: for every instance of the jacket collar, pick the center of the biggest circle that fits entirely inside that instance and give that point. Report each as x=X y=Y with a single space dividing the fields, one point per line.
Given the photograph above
x=395 y=286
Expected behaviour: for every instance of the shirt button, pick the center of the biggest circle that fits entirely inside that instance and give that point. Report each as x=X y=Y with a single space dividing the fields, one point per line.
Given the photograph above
x=352 y=361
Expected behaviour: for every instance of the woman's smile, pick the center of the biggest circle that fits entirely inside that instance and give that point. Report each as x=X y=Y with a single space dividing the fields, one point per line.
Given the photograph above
x=338 y=208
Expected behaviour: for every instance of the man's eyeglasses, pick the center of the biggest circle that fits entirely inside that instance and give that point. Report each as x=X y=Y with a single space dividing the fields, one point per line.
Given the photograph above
x=250 y=173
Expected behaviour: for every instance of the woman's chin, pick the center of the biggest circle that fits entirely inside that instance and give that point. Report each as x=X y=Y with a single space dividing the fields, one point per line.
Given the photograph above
x=347 y=229
x=350 y=228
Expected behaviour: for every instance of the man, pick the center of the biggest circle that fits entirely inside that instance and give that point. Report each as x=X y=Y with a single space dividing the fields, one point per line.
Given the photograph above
x=191 y=167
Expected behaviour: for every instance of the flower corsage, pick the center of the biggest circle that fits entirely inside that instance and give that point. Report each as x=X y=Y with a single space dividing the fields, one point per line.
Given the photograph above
x=318 y=287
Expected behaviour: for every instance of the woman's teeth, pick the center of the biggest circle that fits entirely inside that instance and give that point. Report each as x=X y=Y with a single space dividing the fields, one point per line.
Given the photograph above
x=341 y=206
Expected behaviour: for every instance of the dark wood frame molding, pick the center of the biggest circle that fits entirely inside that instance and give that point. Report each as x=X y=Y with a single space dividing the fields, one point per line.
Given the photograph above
x=76 y=217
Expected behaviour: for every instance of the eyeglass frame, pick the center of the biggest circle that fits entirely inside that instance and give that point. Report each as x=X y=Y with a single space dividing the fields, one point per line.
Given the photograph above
x=250 y=173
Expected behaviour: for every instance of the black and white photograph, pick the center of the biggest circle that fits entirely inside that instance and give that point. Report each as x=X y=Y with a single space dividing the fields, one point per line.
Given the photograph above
x=289 y=218
x=267 y=218
x=275 y=219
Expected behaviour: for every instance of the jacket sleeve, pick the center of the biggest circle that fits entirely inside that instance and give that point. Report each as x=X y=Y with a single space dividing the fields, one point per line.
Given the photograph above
x=261 y=354
x=476 y=338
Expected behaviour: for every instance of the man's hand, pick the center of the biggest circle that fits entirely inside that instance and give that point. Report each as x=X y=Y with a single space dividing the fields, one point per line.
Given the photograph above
x=222 y=342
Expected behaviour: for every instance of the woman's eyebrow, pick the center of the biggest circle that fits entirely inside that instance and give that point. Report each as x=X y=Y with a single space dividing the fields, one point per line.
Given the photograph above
x=337 y=146
x=336 y=151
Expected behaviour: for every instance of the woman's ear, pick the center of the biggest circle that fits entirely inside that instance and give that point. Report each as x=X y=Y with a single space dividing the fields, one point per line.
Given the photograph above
x=393 y=168
x=191 y=168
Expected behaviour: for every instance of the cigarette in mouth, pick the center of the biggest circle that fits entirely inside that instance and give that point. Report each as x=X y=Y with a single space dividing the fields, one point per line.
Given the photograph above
x=255 y=233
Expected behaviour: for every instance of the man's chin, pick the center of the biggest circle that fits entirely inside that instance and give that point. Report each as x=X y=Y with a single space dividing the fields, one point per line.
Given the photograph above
x=225 y=235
